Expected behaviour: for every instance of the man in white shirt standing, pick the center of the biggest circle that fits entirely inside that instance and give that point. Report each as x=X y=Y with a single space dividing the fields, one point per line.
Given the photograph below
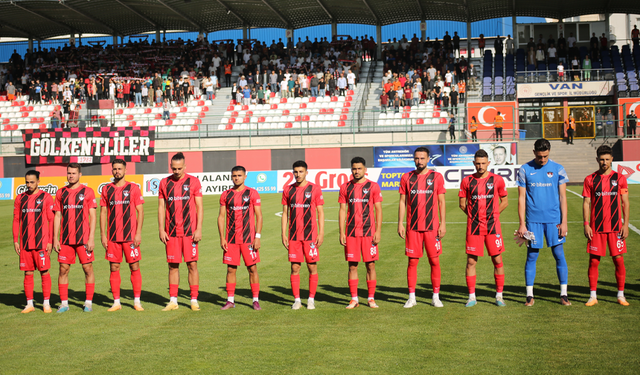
x=342 y=84
x=351 y=80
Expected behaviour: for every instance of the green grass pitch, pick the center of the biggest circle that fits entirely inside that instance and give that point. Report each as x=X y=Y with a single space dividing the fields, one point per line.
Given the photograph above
x=547 y=338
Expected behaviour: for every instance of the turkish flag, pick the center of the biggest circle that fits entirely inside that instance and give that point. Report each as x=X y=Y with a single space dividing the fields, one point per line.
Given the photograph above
x=486 y=113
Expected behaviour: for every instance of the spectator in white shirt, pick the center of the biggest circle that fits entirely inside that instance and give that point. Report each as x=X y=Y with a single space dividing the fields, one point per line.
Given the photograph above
x=351 y=80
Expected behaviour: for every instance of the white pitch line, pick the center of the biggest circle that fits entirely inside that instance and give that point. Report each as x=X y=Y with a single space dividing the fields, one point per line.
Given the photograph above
x=634 y=228
x=574 y=193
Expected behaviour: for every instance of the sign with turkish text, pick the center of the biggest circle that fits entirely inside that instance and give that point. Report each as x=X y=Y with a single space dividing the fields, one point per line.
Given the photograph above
x=564 y=89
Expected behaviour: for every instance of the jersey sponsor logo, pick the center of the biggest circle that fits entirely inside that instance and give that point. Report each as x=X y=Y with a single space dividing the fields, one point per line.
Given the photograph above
x=541 y=184
x=482 y=196
x=239 y=208
x=73 y=206
x=550 y=174
x=606 y=193
x=118 y=203
x=358 y=200
x=27 y=210
x=179 y=198
x=300 y=205
x=421 y=191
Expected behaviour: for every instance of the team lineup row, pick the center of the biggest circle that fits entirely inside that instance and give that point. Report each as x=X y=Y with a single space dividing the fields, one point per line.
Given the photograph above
x=67 y=225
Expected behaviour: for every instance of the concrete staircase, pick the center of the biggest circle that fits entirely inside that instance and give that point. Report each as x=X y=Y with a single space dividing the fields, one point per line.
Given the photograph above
x=579 y=159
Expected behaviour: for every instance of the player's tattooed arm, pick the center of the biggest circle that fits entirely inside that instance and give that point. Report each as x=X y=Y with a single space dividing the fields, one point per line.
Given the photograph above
x=402 y=207
x=586 y=211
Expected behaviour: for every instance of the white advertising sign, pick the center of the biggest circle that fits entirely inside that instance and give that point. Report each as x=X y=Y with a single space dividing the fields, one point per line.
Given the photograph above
x=564 y=89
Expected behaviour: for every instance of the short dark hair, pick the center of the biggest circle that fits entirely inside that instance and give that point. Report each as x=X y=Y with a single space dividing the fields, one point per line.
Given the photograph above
x=358 y=160
x=481 y=154
x=542 y=145
x=238 y=168
x=604 y=150
x=119 y=161
x=421 y=149
x=300 y=163
x=177 y=157
x=502 y=147
x=75 y=166
x=33 y=172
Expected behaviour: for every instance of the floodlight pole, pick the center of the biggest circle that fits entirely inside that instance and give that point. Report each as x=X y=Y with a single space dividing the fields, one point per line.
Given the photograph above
x=379 y=40
x=469 y=40
x=334 y=28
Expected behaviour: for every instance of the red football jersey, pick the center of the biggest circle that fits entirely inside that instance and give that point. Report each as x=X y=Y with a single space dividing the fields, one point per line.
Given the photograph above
x=302 y=202
x=33 y=220
x=121 y=203
x=74 y=204
x=605 y=191
x=483 y=214
x=241 y=223
x=360 y=199
x=422 y=199
x=180 y=199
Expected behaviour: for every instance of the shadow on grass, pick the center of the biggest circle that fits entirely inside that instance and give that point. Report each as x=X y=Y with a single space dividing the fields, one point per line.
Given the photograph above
x=17 y=300
x=304 y=293
x=145 y=297
x=203 y=296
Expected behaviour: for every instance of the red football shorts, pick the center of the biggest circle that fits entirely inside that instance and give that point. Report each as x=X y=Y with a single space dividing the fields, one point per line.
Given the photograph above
x=599 y=241
x=475 y=244
x=232 y=255
x=32 y=259
x=303 y=250
x=415 y=242
x=115 y=249
x=67 y=254
x=177 y=247
x=357 y=245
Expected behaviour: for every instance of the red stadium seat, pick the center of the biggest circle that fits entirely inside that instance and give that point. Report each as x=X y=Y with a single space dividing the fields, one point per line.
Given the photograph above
x=34 y=120
x=285 y=112
x=14 y=127
x=419 y=121
x=343 y=117
x=194 y=128
x=407 y=108
x=7 y=128
x=305 y=118
x=173 y=116
x=298 y=118
x=205 y=109
x=303 y=105
x=30 y=108
x=233 y=102
x=348 y=98
x=119 y=111
x=283 y=100
x=249 y=113
x=350 y=92
x=334 y=98
x=132 y=123
x=158 y=116
x=168 y=122
x=129 y=117
x=5 y=121
x=232 y=120
x=436 y=114
x=330 y=111
x=272 y=95
x=213 y=97
x=200 y=103
x=43 y=126
x=183 y=109
x=347 y=104
x=202 y=115
x=230 y=108
x=24 y=109
x=245 y=107
x=147 y=110
x=288 y=125
x=197 y=121
x=228 y=127
x=323 y=111
x=21 y=103
x=341 y=123
x=443 y=120
x=405 y=115
x=246 y=120
x=234 y=114
x=345 y=110
x=261 y=119
x=312 y=99
x=25 y=114
x=274 y=106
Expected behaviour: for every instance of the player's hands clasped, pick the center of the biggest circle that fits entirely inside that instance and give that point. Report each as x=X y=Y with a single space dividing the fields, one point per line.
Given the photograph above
x=522 y=230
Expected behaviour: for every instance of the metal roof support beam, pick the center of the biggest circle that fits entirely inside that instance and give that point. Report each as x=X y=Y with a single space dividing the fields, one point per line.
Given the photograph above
x=326 y=10
x=244 y=22
x=422 y=17
x=288 y=24
x=138 y=14
x=21 y=31
x=186 y=18
x=43 y=17
x=111 y=29
x=375 y=16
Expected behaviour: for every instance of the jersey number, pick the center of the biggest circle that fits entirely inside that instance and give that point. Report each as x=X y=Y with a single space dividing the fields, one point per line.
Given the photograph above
x=135 y=253
x=620 y=244
x=313 y=253
x=499 y=242
x=374 y=250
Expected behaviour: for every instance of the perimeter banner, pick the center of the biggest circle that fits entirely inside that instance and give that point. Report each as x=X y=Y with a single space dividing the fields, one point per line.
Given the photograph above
x=89 y=145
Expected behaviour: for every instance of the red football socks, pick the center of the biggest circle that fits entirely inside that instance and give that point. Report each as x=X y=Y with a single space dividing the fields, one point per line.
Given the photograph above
x=313 y=285
x=594 y=262
x=173 y=290
x=412 y=274
x=435 y=274
x=46 y=285
x=28 y=286
x=295 y=286
x=255 y=290
x=63 y=290
x=136 y=283
x=371 y=286
x=499 y=283
x=621 y=271
x=231 y=289
x=471 y=284
x=115 y=281
x=90 y=288
x=353 y=287
x=194 y=291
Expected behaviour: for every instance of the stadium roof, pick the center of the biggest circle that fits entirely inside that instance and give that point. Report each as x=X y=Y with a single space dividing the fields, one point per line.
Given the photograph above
x=41 y=19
